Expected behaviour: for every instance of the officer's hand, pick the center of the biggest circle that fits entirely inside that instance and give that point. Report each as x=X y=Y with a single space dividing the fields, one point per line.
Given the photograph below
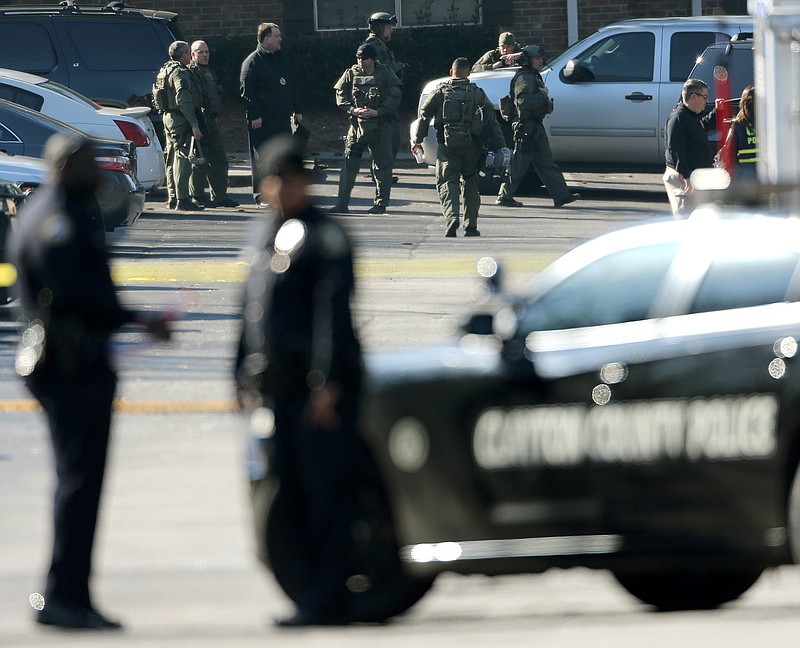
x=298 y=118
x=255 y=124
x=198 y=134
x=506 y=153
x=158 y=324
x=322 y=404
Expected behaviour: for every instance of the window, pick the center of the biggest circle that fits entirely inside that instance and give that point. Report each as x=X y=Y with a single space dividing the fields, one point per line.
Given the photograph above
x=738 y=63
x=686 y=47
x=345 y=14
x=7 y=135
x=26 y=47
x=621 y=58
x=734 y=282
x=19 y=96
x=620 y=287
x=106 y=47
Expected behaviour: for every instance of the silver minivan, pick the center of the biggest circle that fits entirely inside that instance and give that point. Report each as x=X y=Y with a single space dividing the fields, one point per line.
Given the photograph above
x=614 y=90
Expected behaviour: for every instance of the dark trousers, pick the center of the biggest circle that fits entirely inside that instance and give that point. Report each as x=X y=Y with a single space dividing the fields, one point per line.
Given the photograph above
x=257 y=137
x=78 y=412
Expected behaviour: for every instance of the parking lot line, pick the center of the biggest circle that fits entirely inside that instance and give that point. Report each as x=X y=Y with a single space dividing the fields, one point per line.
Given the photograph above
x=124 y=406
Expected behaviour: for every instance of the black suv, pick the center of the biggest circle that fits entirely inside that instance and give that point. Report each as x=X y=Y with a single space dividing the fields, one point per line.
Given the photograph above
x=726 y=68
x=110 y=54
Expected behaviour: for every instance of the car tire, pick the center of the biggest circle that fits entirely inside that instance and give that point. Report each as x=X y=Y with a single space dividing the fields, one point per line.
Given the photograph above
x=379 y=586
x=671 y=590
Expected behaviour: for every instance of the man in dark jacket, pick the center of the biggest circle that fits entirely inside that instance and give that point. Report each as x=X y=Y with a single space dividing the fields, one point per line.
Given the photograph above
x=299 y=356
x=270 y=91
x=531 y=146
x=687 y=146
x=71 y=309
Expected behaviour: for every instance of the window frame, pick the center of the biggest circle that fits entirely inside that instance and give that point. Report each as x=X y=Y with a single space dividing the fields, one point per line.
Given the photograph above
x=397 y=10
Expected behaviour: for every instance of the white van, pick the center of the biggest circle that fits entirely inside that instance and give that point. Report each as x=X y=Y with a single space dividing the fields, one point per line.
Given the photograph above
x=614 y=90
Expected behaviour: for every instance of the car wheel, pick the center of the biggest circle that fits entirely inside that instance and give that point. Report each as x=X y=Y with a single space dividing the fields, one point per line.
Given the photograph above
x=378 y=586
x=793 y=515
x=670 y=590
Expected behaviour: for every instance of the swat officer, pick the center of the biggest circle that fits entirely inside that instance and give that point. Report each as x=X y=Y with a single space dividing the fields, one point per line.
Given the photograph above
x=299 y=356
x=381 y=25
x=215 y=170
x=68 y=300
x=369 y=93
x=531 y=147
x=506 y=54
x=181 y=123
x=464 y=119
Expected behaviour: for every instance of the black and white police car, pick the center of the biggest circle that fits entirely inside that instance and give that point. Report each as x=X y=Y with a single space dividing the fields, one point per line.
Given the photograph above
x=638 y=410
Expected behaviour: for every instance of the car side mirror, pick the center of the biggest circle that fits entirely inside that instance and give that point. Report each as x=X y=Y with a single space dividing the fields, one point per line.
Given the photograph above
x=575 y=72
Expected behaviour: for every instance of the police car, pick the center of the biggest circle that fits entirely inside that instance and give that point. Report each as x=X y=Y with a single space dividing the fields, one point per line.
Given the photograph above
x=637 y=410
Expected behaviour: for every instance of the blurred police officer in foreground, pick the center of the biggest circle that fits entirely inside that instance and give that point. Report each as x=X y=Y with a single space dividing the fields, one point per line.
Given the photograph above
x=531 y=146
x=506 y=54
x=70 y=307
x=464 y=119
x=215 y=169
x=181 y=123
x=369 y=93
x=299 y=356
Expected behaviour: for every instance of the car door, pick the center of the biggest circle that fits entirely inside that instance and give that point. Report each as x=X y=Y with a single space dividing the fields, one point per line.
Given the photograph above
x=609 y=112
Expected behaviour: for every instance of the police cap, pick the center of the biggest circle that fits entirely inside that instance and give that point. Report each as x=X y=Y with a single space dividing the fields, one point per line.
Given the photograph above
x=367 y=51
x=281 y=155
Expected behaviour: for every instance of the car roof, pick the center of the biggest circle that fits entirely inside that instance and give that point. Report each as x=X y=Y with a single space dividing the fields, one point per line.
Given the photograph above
x=709 y=21
x=111 y=9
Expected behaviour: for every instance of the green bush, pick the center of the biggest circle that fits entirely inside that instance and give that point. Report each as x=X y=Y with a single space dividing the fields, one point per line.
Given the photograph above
x=320 y=61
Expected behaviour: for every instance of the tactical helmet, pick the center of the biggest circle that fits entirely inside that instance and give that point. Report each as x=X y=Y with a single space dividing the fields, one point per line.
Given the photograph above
x=531 y=51
x=377 y=20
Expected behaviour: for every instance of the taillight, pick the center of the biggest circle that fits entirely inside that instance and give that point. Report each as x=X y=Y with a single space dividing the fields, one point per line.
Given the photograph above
x=133 y=132
x=115 y=163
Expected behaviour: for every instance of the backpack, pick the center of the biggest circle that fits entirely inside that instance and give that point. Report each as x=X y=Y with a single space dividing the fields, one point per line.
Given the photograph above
x=161 y=97
x=458 y=110
x=508 y=109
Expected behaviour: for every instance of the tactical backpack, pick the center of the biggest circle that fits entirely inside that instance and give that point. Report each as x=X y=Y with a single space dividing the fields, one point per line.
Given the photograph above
x=161 y=100
x=508 y=109
x=458 y=111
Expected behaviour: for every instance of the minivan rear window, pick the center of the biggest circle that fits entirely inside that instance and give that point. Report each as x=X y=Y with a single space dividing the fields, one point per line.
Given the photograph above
x=686 y=47
x=124 y=47
x=26 y=47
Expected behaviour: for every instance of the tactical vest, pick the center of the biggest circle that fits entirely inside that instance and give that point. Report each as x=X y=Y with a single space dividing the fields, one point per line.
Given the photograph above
x=460 y=118
x=163 y=97
x=747 y=145
x=366 y=91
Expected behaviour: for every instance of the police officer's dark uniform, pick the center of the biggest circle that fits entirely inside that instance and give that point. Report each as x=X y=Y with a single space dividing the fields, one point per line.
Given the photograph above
x=464 y=119
x=68 y=299
x=298 y=346
x=491 y=58
x=370 y=94
x=531 y=146
x=377 y=24
x=180 y=124
x=270 y=90
x=215 y=171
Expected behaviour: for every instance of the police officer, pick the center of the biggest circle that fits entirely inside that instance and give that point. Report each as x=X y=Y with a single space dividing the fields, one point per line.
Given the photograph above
x=464 y=119
x=67 y=298
x=506 y=54
x=381 y=26
x=300 y=357
x=180 y=125
x=270 y=91
x=215 y=170
x=531 y=147
x=369 y=93
x=740 y=151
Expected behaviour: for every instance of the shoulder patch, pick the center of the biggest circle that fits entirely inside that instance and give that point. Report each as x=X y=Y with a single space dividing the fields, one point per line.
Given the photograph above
x=333 y=243
x=290 y=236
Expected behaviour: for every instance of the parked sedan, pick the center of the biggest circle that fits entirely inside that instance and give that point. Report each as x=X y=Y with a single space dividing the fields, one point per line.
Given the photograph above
x=62 y=103
x=11 y=197
x=24 y=132
x=635 y=410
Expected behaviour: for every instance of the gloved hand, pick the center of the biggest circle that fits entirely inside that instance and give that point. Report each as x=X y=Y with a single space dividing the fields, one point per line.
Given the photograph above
x=506 y=153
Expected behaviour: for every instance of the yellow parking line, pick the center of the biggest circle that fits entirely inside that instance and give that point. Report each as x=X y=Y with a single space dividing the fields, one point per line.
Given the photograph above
x=125 y=406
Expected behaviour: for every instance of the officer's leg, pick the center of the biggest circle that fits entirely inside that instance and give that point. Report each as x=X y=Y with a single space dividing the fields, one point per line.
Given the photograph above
x=198 y=179
x=448 y=186
x=472 y=196
x=169 y=166
x=397 y=140
x=381 y=148
x=79 y=418
x=520 y=162
x=255 y=137
x=353 y=152
x=182 y=166
x=546 y=168
x=217 y=169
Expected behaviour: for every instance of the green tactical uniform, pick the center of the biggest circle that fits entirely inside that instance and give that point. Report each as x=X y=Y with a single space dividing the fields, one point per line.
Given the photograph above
x=215 y=171
x=183 y=97
x=384 y=55
x=457 y=166
x=531 y=146
x=381 y=91
x=487 y=61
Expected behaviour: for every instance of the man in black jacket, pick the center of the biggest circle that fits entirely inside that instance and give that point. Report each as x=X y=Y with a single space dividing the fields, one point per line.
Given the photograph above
x=270 y=91
x=687 y=146
x=71 y=308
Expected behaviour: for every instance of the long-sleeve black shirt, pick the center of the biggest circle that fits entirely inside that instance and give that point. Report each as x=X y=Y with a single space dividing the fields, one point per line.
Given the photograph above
x=687 y=146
